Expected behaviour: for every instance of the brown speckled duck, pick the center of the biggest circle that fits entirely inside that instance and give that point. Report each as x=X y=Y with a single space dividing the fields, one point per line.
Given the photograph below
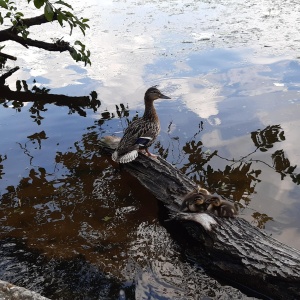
x=221 y=208
x=141 y=133
x=196 y=201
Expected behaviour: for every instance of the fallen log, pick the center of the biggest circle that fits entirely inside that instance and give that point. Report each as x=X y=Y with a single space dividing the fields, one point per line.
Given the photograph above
x=231 y=249
x=11 y=291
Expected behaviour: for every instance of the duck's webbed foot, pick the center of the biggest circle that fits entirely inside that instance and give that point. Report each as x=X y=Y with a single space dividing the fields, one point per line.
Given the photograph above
x=150 y=154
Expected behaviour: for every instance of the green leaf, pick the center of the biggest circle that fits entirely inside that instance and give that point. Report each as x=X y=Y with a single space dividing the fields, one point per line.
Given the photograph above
x=71 y=26
x=73 y=54
x=79 y=43
x=60 y=18
x=64 y=3
x=39 y=3
x=3 y=4
x=48 y=11
x=19 y=14
x=82 y=30
x=69 y=14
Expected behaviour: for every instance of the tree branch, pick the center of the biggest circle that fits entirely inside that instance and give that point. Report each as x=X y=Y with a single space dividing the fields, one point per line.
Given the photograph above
x=12 y=34
x=37 y=20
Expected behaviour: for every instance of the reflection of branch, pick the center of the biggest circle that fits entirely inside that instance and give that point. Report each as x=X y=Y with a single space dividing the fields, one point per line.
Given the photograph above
x=281 y=172
x=238 y=160
x=7 y=74
x=7 y=56
x=26 y=151
x=60 y=100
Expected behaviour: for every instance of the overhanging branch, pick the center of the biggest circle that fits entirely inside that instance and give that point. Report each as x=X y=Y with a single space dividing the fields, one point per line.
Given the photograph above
x=12 y=35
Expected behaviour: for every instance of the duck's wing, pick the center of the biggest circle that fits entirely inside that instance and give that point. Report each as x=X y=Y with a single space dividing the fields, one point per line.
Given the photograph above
x=133 y=136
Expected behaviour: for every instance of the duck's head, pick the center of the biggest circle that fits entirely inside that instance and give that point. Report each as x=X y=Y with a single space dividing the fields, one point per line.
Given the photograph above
x=199 y=200
x=214 y=200
x=202 y=191
x=153 y=93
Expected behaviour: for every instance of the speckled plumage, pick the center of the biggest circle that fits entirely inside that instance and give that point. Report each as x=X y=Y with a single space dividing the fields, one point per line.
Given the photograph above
x=141 y=133
x=195 y=201
x=221 y=208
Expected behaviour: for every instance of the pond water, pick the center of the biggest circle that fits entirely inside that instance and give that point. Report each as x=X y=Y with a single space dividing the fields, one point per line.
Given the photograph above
x=74 y=228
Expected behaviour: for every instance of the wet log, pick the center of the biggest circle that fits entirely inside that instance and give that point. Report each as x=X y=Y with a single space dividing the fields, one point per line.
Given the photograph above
x=231 y=249
x=11 y=291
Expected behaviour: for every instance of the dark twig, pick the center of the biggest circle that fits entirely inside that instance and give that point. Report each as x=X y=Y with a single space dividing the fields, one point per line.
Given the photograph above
x=7 y=74
x=7 y=56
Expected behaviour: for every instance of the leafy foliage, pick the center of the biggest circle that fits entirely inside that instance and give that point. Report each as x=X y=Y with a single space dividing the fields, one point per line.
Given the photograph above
x=59 y=11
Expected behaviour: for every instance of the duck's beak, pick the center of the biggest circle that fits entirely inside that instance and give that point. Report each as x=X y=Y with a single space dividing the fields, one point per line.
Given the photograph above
x=162 y=96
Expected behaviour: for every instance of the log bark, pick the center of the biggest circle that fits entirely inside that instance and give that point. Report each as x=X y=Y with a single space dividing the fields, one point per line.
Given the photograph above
x=11 y=291
x=231 y=249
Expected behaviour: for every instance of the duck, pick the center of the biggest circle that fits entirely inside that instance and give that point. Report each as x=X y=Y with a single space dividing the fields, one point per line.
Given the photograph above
x=221 y=208
x=142 y=132
x=196 y=200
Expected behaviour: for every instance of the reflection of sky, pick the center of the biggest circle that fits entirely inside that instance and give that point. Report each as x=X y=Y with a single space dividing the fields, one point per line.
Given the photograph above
x=186 y=48
x=126 y=37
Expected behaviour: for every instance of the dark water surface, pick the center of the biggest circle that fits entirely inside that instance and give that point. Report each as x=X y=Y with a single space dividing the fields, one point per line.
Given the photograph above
x=74 y=228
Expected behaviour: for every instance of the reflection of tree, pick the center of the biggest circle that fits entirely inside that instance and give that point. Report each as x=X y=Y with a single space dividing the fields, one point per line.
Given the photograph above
x=237 y=180
x=264 y=139
x=233 y=182
x=240 y=176
x=283 y=166
x=38 y=137
x=121 y=112
x=41 y=96
x=81 y=206
x=197 y=158
x=2 y=158
x=260 y=219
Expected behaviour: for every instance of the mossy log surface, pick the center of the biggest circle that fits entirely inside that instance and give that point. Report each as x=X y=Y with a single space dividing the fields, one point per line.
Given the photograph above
x=233 y=249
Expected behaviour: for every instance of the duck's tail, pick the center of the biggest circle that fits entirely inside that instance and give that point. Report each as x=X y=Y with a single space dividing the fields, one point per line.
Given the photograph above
x=126 y=158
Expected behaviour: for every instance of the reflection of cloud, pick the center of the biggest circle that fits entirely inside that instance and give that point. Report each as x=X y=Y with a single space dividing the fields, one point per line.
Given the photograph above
x=119 y=54
x=199 y=95
x=253 y=80
x=290 y=236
